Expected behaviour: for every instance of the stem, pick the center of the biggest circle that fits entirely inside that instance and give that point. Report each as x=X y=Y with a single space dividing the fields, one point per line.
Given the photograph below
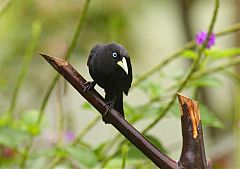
x=46 y=97
x=76 y=35
x=124 y=154
x=188 y=45
x=191 y=72
x=231 y=29
x=219 y=68
x=111 y=143
x=36 y=30
x=87 y=128
x=59 y=112
x=26 y=153
x=168 y=59
x=54 y=162
x=57 y=159
x=5 y=7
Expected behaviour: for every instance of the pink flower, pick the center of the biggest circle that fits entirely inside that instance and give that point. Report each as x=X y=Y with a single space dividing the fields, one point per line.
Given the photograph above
x=69 y=136
x=202 y=36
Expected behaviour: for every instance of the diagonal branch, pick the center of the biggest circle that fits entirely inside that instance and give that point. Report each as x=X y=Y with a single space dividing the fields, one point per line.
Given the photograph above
x=113 y=117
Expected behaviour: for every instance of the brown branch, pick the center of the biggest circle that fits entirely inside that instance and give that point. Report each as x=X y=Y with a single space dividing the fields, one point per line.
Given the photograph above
x=193 y=152
x=113 y=117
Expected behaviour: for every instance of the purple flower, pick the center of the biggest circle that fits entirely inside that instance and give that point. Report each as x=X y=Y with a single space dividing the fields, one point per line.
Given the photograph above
x=69 y=136
x=202 y=36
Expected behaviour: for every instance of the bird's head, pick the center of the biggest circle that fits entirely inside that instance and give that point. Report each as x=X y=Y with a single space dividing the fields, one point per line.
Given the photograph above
x=113 y=54
x=119 y=55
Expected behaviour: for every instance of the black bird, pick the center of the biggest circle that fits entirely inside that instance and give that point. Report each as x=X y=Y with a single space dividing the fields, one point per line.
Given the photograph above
x=110 y=67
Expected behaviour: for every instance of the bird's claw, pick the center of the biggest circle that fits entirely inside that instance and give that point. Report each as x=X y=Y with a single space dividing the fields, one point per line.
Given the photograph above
x=109 y=106
x=89 y=85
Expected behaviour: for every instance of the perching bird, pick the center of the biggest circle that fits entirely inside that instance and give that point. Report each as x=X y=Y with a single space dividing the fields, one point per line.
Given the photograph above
x=110 y=67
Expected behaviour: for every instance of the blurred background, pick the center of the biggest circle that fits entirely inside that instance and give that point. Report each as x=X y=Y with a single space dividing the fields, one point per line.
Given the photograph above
x=151 y=31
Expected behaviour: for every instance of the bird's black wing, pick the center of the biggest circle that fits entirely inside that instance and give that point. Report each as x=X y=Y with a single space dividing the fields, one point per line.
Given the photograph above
x=130 y=76
x=92 y=53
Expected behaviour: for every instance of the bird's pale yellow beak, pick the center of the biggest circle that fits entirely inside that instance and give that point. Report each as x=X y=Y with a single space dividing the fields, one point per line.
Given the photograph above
x=123 y=64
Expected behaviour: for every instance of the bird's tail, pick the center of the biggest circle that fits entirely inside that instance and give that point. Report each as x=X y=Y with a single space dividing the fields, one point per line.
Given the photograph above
x=118 y=102
x=118 y=105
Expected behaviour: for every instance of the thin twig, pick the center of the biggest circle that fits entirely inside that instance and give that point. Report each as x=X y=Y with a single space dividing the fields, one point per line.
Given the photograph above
x=25 y=154
x=76 y=35
x=124 y=155
x=5 y=7
x=54 y=162
x=36 y=30
x=163 y=63
x=59 y=114
x=206 y=72
x=57 y=159
x=232 y=29
x=86 y=129
x=44 y=102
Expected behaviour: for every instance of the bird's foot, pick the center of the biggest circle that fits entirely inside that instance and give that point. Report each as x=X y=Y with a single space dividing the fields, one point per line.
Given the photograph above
x=89 y=85
x=109 y=106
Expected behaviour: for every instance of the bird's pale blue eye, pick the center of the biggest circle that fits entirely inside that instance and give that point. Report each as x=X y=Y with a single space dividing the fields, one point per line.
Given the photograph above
x=114 y=54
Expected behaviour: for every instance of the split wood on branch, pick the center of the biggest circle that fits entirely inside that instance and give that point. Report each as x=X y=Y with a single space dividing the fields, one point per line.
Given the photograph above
x=193 y=148
x=193 y=151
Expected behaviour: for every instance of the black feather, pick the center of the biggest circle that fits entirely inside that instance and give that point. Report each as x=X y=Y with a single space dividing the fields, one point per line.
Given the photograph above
x=108 y=74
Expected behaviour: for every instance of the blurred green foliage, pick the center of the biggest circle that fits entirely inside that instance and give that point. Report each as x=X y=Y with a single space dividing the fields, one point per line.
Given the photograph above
x=29 y=26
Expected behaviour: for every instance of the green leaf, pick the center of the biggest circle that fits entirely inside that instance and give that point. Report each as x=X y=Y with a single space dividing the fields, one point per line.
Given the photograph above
x=86 y=105
x=135 y=113
x=146 y=111
x=223 y=53
x=116 y=163
x=61 y=152
x=209 y=81
x=131 y=112
x=155 y=90
x=4 y=120
x=156 y=142
x=208 y=118
x=28 y=122
x=12 y=137
x=177 y=75
x=152 y=88
x=191 y=54
x=99 y=150
x=134 y=153
x=85 y=156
